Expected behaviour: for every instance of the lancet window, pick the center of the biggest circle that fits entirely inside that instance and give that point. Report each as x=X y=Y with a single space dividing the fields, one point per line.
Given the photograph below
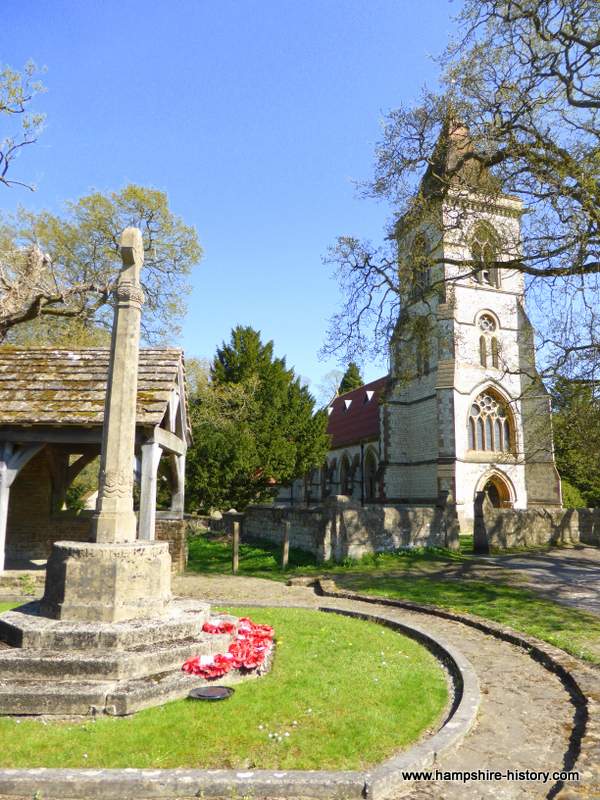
x=488 y=343
x=484 y=251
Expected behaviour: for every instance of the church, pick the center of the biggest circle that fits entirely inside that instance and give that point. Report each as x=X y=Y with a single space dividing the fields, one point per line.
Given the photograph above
x=462 y=410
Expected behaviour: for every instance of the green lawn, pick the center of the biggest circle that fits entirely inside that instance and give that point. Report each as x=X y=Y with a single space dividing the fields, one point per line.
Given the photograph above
x=6 y=606
x=576 y=632
x=342 y=694
x=404 y=575
x=211 y=553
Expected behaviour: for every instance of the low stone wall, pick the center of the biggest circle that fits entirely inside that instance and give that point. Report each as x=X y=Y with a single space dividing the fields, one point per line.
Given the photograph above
x=505 y=528
x=589 y=525
x=173 y=531
x=340 y=528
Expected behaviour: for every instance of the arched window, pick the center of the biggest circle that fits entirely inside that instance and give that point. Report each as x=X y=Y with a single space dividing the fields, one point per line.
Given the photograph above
x=488 y=343
x=419 y=266
x=484 y=250
x=344 y=476
x=483 y=351
x=495 y=361
x=489 y=425
x=370 y=476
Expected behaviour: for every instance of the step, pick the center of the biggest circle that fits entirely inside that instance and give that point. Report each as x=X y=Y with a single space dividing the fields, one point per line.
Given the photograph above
x=18 y=663
x=24 y=627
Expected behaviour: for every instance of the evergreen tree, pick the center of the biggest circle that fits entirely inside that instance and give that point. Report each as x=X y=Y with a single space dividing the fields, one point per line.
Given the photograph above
x=253 y=426
x=576 y=424
x=352 y=379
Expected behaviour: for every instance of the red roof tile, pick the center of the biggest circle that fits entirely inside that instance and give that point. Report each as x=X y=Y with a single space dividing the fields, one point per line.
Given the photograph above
x=354 y=417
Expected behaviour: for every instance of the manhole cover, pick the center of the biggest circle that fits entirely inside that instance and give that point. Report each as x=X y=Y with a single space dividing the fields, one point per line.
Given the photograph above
x=211 y=693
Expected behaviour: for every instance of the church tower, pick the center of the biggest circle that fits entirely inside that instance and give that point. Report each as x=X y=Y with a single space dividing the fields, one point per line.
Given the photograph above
x=464 y=411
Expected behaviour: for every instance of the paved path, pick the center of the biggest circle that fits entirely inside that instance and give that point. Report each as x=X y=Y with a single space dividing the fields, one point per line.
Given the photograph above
x=566 y=575
x=526 y=715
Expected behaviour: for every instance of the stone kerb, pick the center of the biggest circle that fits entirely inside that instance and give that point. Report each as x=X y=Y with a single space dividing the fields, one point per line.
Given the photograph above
x=378 y=783
x=580 y=681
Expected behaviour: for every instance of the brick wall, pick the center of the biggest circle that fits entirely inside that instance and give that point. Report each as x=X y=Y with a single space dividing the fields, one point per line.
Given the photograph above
x=32 y=528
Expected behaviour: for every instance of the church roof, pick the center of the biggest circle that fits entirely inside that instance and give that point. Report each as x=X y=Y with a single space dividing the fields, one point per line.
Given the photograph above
x=354 y=416
x=55 y=387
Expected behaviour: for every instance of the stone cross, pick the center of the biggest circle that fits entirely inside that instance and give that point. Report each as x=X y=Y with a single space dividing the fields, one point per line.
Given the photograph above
x=115 y=519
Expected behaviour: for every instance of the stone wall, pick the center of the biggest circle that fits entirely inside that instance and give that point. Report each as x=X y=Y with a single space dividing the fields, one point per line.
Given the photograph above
x=340 y=528
x=173 y=531
x=505 y=528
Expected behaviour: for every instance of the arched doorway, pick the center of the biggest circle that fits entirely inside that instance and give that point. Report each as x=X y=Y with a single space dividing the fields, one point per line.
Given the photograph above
x=498 y=492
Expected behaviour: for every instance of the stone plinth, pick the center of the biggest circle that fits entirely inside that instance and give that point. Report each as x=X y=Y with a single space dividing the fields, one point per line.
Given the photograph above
x=94 y=582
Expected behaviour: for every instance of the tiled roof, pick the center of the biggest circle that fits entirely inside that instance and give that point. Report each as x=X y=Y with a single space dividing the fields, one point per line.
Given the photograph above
x=47 y=386
x=355 y=415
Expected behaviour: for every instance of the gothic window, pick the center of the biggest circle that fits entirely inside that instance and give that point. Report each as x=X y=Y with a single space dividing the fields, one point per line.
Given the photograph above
x=419 y=265
x=345 y=477
x=489 y=424
x=488 y=343
x=484 y=252
x=370 y=476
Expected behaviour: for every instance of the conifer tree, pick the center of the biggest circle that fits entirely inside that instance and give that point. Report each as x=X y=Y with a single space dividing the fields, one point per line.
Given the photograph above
x=254 y=426
x=352 y=379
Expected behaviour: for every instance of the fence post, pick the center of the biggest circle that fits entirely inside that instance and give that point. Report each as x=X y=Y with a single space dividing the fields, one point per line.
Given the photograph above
x=235 y=553
x=285 y=545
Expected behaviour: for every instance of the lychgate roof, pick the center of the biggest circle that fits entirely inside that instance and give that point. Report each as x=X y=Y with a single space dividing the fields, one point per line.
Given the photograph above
x=47 y=386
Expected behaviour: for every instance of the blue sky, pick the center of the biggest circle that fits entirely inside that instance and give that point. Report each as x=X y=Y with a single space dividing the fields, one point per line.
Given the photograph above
x=254 y=116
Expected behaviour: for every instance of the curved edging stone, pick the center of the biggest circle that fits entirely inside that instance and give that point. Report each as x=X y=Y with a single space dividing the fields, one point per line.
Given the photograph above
x=376 y=784
x=385 y=778
x=581 y=681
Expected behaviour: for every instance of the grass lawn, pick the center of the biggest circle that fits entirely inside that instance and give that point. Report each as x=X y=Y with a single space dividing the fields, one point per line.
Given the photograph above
x=342 y=694
x=211 y=553
x=576 y=632
x=404 y=575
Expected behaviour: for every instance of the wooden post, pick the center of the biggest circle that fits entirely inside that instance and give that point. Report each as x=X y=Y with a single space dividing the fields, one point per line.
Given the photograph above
x=12 y=460
x=285 y=545
x=235 y=553
x=151 y=453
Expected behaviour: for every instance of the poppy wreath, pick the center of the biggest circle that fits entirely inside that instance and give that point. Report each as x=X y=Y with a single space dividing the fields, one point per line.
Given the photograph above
x=248 y=650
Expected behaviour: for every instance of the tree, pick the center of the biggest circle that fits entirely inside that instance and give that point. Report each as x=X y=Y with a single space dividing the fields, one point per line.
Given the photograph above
x=74 y=281
x=576 y=423
x=328 y=386
x=352 y=379
x=254 y=426
x=17 y=90
x=518 y=113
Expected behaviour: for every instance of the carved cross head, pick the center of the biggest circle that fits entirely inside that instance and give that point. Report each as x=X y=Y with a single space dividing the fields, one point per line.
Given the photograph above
x=132 y=248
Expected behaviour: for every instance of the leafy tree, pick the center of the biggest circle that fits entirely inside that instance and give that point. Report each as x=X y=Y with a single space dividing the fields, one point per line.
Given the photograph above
x=517 y=113
x=576 y=422
x=76 y=278
x=253 y=426
x=22 y=126
x=352 y=379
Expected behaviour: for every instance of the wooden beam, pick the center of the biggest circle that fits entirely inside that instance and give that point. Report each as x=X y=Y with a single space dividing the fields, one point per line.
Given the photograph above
x=169 y=441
